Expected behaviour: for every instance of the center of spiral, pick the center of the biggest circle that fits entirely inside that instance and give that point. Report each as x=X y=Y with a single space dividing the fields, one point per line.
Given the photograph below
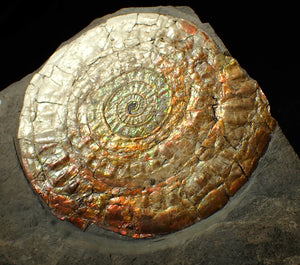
x=138 y=105
x=131 y=107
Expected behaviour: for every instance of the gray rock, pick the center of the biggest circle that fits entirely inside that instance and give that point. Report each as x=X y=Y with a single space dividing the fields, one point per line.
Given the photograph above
x=259 y=225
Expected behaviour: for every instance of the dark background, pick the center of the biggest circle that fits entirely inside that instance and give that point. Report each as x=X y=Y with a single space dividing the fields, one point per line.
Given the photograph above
x=262 y=37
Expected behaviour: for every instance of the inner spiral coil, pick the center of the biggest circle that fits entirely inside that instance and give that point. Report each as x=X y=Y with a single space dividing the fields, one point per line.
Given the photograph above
x=139 y=107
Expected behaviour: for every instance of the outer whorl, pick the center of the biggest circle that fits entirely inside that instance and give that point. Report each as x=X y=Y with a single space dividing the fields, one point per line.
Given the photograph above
x=141 y=126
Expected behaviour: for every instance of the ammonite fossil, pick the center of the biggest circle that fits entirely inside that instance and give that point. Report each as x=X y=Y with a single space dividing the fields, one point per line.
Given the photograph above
x=141 y=126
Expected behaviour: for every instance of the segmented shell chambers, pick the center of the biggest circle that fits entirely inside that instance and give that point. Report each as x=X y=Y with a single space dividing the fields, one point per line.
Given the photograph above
x=141 y=126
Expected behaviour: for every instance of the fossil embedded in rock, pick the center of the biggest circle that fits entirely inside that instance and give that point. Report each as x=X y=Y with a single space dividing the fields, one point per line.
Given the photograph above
x=141 y=126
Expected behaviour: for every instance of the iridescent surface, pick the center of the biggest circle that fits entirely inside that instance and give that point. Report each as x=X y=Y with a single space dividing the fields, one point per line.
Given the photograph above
x=141 y=126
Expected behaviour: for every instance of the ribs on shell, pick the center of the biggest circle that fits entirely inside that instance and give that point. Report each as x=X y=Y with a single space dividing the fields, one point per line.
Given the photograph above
x=141 y=126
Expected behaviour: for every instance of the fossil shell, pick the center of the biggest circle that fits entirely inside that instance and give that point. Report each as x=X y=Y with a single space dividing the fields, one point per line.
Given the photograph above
x=141 y=126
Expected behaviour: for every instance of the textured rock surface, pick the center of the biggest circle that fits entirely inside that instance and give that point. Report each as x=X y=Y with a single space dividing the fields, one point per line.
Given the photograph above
x=259 y=225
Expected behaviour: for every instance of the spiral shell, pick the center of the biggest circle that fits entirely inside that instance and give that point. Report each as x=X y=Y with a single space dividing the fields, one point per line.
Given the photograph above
x=141 y=126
